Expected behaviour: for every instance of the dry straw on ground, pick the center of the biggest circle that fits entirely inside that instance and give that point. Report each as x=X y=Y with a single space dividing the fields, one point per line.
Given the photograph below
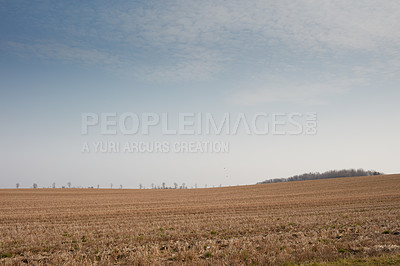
x=298 y=222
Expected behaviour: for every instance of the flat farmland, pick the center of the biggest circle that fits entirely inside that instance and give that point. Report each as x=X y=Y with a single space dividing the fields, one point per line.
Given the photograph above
x=296 y=222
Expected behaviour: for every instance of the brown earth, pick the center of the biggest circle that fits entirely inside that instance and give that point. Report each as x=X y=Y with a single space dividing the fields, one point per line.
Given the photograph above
x=294 y=222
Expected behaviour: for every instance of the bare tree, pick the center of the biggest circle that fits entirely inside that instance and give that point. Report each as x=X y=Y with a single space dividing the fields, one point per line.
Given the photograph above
x=17 y=185
x=163 y=185
x=175 y=185
x=111 y=185
x=98 y=186
x=152 y=185
x=69 y=184
x=53 y=185
x=35 y=185
x=140 y=186
x=120 y=186
x=183 y=185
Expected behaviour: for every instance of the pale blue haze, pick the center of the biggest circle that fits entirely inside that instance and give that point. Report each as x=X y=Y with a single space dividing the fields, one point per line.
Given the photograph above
x=58 y=59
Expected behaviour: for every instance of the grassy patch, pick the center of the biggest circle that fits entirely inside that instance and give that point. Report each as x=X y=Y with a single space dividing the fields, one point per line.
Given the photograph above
x=383 y=260
x=208 y=254
x=5 y=255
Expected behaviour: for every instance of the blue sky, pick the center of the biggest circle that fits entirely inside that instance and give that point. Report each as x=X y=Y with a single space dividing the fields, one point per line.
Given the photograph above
x=60 y=59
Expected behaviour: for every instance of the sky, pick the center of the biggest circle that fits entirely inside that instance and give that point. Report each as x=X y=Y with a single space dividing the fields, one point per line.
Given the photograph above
x=60 y=60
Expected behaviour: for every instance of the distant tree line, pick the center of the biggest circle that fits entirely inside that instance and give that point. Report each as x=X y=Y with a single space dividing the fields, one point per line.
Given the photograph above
x=164 y=186
x=153 y=186
x=324 y=175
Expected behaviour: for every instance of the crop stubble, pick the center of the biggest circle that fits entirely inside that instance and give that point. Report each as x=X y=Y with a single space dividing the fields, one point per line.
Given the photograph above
x=300 y=222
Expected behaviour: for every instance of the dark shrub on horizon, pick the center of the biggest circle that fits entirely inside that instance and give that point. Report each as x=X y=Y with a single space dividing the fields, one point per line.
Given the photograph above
x=324 y=175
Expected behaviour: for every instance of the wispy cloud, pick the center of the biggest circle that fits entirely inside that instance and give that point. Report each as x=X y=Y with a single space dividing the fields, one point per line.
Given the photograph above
x=315 y=93
x=182 y=40
x=58 y=51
